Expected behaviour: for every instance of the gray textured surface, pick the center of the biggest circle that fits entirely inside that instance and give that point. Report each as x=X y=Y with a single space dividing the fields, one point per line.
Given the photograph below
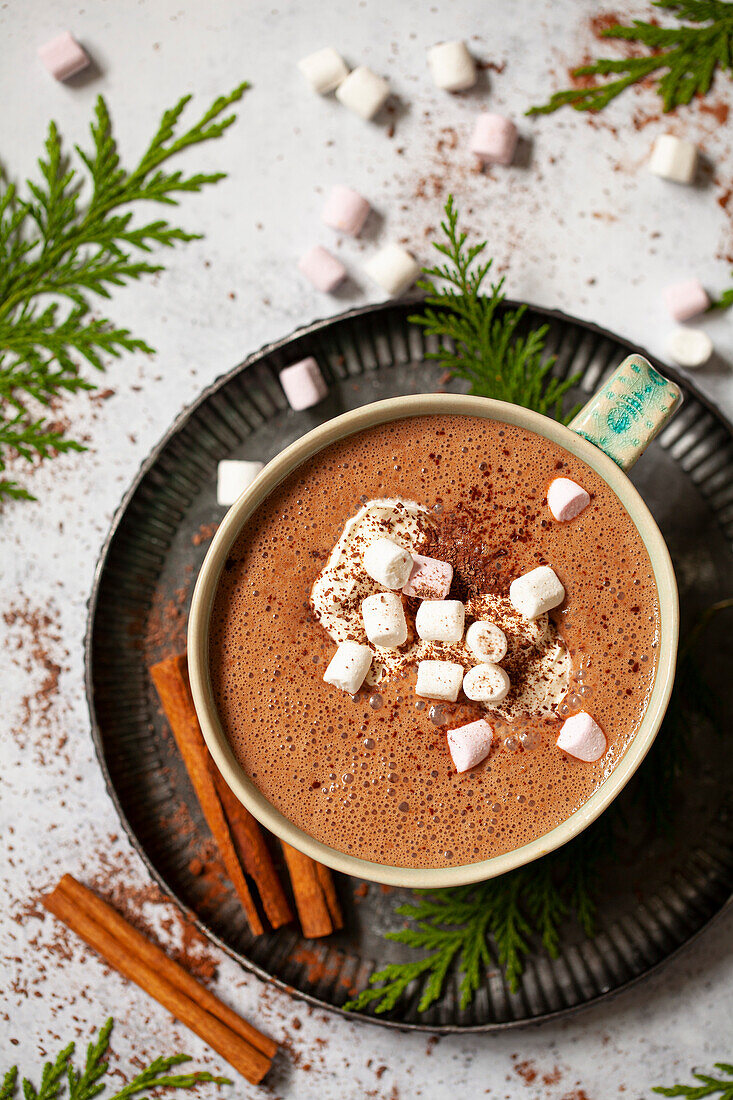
x=582 y=227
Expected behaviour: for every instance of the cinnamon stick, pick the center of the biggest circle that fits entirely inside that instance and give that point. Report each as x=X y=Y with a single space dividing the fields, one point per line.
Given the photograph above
x=170 y=677
x=314 y=893
x=254 y=853
x=237 y=1051
x=137 y=944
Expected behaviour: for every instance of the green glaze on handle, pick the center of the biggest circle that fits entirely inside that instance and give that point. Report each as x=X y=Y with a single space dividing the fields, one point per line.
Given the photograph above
x=631 y=407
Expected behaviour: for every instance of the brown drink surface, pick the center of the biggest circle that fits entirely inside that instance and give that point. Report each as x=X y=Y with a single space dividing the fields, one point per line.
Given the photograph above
x=372 y=776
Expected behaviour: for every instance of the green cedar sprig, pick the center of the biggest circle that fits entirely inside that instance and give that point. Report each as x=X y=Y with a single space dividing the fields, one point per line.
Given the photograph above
x=480 y=340
x=688 y=56
x=709 y=1086
x=85 y=1084
x=56 y=253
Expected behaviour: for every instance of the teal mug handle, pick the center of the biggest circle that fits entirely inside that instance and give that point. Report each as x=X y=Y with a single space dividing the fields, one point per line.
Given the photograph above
x=628 y=411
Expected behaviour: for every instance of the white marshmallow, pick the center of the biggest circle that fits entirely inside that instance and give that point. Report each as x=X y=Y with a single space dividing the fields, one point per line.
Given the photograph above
x=440 y=620
x=363 y=92
x=689 y=347
x=582 y=738
x=566 y=499
x=233 y=477
x=384 y=620
x=536 y=592
x=348 y=667
x=674 y=159
x=470 y=744
x=429 y=579
x=451 y=66
x=324 y=70
x=387 y=563
x=439 y=680
x=392 y=268
x=486 y=641
x=487 y=683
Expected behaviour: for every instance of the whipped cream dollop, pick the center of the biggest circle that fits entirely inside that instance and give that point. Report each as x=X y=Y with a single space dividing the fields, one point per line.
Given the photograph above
x=537 y=660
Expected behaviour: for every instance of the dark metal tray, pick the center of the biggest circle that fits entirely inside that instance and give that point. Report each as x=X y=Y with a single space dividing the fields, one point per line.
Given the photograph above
x=662 y=890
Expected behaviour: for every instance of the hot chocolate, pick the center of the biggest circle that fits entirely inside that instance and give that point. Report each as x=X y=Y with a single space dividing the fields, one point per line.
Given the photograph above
x=388 y=774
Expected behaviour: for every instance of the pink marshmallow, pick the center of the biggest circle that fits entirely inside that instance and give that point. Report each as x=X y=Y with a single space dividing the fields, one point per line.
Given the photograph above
x=303 y=383
x=470 y=744
x=430 y=579
x=323 y=269
x=346 y=210
x=63 y=56
x=686 y=299
x=494 y=138
x=566 y=499
x=582 y=738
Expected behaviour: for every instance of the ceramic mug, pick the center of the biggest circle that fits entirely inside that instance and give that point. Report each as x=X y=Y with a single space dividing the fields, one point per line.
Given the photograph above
x=609 y=433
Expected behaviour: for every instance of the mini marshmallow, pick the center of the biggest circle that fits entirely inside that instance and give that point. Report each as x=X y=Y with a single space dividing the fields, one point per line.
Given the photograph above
x=430 y=579
x=393 y=268
x=384 y=620
x=303 y=383
x=674 y=159
x=486 y=683
x=470 y=744
x=387 y=563
x=346 y=210
x=451 y=66
x=566 y=499
x=63 y=56
x=348 y=667
x=324 y=70
x=233 y=477
x=363 y=92
x=324 y=270
x=440 y=620
x=689 y=347
x=686 y=299
x=536 y=592
x=582 y=738
x=486 y=641
x=439 y=680
x=494 y=138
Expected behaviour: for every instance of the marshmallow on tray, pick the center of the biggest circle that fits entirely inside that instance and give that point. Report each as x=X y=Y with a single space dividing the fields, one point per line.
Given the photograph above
x=686 y=299
x=63 y=56
x=470 y=744
x=363 y=92
x=440 y=620
x=487 y=683
x=430 y=579
x=348 y=667
x=345 y=210
x=393 y=268
x=582 y=738
x=451 y=66
x=387 y=563
x=384 y=620
x=439 y=680
x=674 y=159
x=566 y=499
x=303 y=383
x=233 y=477
x=486 y=641
x=689 y=347
x=494 y=139
x=324 y=70
x=324 y=270
x=536 y=592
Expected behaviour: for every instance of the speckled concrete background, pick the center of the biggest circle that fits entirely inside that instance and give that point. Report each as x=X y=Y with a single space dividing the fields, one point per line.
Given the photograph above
x=579 y=225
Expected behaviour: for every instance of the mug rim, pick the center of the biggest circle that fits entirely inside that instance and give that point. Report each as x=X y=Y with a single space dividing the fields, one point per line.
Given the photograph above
x=337 y=428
